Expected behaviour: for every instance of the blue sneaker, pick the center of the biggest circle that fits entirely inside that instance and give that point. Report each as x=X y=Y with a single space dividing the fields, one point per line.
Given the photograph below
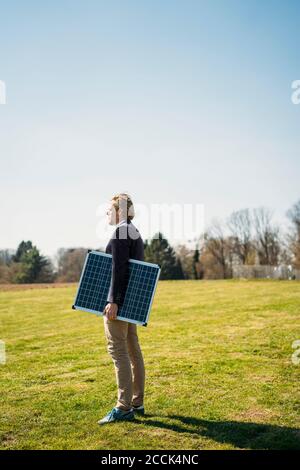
x=116 y=414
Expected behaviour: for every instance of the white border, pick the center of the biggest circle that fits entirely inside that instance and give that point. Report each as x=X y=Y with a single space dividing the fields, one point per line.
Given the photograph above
x=100 y=253
x=150 y=305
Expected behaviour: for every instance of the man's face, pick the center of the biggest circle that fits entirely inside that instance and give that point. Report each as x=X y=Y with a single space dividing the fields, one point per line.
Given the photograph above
x=112 y=214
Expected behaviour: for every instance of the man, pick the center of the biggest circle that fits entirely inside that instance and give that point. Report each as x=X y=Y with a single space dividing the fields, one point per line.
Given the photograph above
x=121 y=336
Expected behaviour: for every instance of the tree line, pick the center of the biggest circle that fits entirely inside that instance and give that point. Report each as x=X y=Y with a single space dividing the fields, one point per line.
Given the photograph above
x=247 y=237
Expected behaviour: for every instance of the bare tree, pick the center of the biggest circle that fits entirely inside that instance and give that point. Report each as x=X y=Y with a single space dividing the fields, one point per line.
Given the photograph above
x=219 y=247
x=294 y=237
x=70 y=263
x=190 y=261
x=186 y=257
x=5 y=276
x=6 y=256
x=267 y=237
x=240 y=226
x=294 y=215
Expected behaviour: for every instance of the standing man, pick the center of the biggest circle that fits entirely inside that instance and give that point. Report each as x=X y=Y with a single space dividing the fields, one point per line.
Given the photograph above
x=122 y=340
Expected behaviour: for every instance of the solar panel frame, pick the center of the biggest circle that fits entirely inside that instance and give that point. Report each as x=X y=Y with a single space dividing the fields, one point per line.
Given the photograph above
x=123 y=318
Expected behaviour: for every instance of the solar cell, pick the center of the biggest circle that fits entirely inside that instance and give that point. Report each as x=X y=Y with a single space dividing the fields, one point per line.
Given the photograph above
x=94 y=285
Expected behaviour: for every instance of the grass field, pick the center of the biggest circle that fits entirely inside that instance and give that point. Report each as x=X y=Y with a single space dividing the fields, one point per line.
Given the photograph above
x=218 y=366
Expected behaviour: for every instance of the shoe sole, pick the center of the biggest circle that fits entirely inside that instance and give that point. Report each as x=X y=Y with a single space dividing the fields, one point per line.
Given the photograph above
x=131 y=418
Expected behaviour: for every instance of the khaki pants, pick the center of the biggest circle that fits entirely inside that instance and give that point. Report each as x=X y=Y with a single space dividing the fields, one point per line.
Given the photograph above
x=123 y=346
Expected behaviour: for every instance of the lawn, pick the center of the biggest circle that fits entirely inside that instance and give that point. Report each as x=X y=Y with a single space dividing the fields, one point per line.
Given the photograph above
x=218 y=365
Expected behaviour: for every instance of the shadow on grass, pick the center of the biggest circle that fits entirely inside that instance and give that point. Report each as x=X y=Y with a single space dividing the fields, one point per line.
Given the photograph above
x=240 y=434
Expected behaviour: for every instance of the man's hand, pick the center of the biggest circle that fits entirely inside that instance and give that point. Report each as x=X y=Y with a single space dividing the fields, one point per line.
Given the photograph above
x=110 y=311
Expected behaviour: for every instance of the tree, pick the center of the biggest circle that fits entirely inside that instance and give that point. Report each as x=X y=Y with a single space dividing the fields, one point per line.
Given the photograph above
x=70 y=263
x=198 y=269
x=4 y=274
x=267 y=237
x=240 y=226
x=8 y=268
x=189 y=260
x=23 y=248
x=219 y=248
x=33 y=267
x=159 y=251
x=294 y=237
x=186 y=258
x=6 y=257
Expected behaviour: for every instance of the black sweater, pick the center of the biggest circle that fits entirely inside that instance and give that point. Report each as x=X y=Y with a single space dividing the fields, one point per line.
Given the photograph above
x=126 y=242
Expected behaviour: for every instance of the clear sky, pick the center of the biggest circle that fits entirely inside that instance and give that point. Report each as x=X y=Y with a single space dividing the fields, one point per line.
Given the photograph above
x=173 y=101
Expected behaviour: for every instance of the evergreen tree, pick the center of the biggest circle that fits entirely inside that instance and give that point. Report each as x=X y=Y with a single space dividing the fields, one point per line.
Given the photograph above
x=33 y=266
x=159 y=251
x=196 y=263
x=23 y=248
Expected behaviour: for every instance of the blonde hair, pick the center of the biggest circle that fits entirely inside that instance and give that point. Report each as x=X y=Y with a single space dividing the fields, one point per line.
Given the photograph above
x=124 y=202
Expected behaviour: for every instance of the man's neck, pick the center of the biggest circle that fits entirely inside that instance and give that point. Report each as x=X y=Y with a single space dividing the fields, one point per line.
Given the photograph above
x=123 y=221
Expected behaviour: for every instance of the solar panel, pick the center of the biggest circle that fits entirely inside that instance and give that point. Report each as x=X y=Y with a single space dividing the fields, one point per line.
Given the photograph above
x=94 y=285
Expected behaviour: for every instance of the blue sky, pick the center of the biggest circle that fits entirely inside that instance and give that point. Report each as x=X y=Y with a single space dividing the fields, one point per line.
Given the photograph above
x=173 y=101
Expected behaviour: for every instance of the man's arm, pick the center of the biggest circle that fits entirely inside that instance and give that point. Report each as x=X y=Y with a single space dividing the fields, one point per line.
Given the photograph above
x=120 y=257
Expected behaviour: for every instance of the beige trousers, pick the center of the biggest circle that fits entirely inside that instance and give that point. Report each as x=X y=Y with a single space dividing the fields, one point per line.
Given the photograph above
x=123 y=346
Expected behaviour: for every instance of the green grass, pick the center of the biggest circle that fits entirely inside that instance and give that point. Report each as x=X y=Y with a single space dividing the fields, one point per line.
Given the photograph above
x=218 y=366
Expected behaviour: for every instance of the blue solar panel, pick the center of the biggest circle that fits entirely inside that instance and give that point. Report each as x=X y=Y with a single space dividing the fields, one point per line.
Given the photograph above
x=95 y=282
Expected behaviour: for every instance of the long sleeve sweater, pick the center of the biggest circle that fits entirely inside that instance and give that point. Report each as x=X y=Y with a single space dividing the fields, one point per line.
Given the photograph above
x=125 y=243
